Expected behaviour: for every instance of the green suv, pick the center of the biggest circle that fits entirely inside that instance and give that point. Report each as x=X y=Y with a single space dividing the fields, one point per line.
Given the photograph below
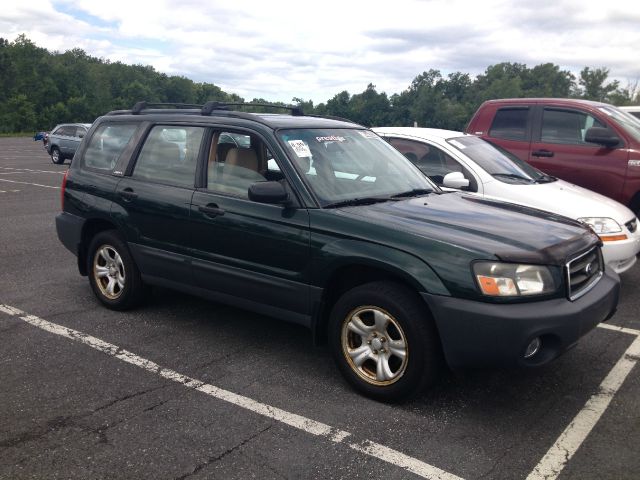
x=320 y=222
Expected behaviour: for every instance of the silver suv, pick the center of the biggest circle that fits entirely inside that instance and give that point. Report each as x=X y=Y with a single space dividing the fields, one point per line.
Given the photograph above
x=64 y=140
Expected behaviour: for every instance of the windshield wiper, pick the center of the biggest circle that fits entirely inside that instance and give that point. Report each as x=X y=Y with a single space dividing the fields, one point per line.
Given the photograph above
x=515 y=176
x=357 y=201
x=544 y=178
x=416 y=192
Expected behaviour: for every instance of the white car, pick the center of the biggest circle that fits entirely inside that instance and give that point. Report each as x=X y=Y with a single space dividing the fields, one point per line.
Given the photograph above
x=633 y=110
x=457 y=160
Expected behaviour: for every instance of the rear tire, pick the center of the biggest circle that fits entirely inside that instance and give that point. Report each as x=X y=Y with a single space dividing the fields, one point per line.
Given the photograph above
x=384 y=341
x=113 y=275
x=56 y=156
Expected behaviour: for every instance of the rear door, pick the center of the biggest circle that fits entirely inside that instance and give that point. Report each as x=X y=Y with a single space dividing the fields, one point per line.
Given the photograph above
x=152 y=203
x=558 y=148
x=511 y=129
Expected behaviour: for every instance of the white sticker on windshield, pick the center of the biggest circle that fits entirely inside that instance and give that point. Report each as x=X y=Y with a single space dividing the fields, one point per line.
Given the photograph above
x=300 y=147
x=457 y=144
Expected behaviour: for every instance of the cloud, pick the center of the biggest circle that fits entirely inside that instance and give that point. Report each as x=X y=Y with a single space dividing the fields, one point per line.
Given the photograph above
x=279 y=50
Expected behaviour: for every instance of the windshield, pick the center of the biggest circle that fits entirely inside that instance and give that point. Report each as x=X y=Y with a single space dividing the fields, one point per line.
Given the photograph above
x=346 y=164
x=627 y=121
x=496 y=161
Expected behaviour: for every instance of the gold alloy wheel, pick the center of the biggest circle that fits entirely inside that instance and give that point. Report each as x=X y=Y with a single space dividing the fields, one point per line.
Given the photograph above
x=374 y=345
x=108 y=272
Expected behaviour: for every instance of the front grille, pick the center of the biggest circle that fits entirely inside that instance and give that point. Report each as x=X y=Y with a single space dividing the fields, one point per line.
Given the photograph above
x=583 y=272
x=632 y=225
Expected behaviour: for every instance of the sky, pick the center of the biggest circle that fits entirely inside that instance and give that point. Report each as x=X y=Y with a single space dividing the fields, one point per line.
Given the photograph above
x=279 y=50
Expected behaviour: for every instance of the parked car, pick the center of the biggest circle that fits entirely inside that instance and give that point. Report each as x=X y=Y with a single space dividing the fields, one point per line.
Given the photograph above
x=594 y=145
x=467 y=162
x=64 y=139
x=345 y=237
x=633 y=110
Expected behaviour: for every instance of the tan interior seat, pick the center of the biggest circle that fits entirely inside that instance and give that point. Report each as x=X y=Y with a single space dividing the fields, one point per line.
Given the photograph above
x=243 y=157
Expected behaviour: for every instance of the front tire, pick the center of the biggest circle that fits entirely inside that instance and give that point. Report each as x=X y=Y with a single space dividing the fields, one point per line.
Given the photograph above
x=113 y=275
x=56 y=156
x=384 y=341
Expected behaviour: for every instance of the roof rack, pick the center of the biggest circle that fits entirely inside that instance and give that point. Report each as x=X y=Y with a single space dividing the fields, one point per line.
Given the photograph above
x=140 y=106
x=223 y=109
x=209 y=107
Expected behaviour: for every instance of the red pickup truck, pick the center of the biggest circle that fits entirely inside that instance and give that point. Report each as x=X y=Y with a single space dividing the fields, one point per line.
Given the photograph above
x=592 y=144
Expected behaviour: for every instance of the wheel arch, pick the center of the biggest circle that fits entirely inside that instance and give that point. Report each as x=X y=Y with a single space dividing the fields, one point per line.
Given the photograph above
x=634 y=203
x=89 y=230
x=348 y=276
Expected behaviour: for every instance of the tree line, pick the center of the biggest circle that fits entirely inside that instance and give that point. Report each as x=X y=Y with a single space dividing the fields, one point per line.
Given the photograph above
x=39 y=89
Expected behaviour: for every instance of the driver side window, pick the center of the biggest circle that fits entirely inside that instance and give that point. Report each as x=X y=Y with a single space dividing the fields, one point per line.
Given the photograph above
x=238 y=160
x=432 y=161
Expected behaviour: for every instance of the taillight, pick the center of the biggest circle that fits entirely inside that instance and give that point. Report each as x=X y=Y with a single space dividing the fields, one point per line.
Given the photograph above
x=64 y=185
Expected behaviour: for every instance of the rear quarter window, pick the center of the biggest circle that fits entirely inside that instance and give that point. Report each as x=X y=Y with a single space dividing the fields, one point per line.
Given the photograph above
x=510 y=124
x=106 y=145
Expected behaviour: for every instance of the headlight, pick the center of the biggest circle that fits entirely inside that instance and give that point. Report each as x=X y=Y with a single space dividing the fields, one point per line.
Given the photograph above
x=602 y=225
x=512 y=280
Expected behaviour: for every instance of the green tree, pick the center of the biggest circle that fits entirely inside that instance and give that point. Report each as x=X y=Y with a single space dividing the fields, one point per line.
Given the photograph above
x=339 y=105
x=594 y=86
x=370 y=108
x=547 y=80
x=18 y=116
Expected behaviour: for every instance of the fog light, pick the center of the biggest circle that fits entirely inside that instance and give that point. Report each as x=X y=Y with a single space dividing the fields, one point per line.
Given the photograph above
x=532 y=348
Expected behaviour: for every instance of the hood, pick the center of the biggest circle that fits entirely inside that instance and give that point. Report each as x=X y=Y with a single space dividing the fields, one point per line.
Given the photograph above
x=512 y=233
x=560 y=197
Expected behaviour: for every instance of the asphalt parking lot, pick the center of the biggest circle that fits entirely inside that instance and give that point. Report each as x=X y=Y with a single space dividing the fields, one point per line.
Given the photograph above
x=184 y=388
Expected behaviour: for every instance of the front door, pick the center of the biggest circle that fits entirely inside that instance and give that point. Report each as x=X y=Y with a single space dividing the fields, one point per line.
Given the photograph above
x=558 y=148
x=243 y=249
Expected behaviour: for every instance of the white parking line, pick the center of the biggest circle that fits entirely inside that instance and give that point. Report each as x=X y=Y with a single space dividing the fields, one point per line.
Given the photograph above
x=27 y=183
x=615 y=328
x=572 y=437
x=313 y=427
x=18 y=170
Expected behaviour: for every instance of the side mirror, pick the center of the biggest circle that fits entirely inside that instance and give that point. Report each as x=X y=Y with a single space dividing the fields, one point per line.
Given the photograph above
x=81 y=135
x=601 y=136
x=268 y=192
x=455 y=180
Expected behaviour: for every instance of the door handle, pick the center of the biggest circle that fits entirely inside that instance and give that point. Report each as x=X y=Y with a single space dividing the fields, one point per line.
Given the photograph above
x=128 y=194
x=542 y=153
x=211 y=210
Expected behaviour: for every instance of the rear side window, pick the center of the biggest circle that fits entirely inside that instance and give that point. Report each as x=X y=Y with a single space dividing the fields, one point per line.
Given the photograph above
x=510 y=124
x=566 y=126
x=106 y=145
x=169 y=155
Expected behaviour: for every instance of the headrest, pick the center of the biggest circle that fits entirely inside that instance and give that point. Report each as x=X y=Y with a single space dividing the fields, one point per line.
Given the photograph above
x=242 y=157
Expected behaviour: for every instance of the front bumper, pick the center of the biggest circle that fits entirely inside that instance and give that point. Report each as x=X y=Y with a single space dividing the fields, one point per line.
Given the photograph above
x=478 y=334
x=621 y=254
